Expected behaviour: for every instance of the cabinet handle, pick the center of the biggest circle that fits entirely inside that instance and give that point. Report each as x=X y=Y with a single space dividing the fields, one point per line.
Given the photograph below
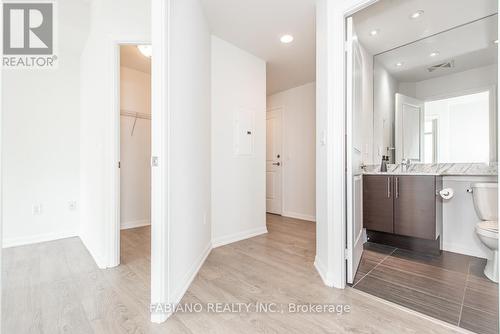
x=388 y=187
x=397 y=187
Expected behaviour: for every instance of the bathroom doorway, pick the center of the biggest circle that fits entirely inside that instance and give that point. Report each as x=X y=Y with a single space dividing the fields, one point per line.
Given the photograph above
x=423 y=233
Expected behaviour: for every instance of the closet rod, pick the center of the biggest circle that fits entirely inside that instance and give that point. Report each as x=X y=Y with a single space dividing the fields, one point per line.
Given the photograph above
x=128 y=113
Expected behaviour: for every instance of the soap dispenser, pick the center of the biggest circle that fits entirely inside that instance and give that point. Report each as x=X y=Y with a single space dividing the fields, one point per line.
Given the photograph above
x=383 y=165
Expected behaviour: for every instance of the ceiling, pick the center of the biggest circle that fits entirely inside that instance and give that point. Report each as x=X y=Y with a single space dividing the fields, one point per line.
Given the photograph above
x=392 y=19
x=131 y=57
x=256 y=27
x=468 y=46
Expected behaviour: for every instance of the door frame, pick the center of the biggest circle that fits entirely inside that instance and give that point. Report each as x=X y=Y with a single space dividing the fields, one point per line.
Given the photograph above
x=160 y=111
x=282 y=117
x=331 y=207
x=113 y=251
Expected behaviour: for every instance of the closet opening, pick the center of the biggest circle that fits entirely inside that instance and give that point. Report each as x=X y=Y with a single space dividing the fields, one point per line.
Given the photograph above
x=135 y=159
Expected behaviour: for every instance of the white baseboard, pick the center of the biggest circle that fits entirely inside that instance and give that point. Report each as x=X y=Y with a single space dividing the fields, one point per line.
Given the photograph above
x=159 y=318
x=229 y=239
x=460 y=249
x=134 y=224
x=34 y=239
x=298 y=216
x=191 y=274
x=99 y=261
x=323 y=272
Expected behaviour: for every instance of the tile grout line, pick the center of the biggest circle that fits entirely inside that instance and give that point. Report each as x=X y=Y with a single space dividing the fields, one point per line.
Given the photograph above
x=463 y=296
x=405 y=286
x=385 y=258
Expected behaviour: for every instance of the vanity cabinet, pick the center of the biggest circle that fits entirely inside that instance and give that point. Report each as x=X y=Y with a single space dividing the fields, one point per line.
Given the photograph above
x=378 y=203
x=415 y=206
x=404 y=205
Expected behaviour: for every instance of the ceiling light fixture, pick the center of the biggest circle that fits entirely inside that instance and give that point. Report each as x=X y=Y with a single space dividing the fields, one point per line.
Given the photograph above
x=495 y=41
x=399 y=64
x=146 y=50
x=286 y=39
x=374 y=32
x=417 y=14
x=434 y=54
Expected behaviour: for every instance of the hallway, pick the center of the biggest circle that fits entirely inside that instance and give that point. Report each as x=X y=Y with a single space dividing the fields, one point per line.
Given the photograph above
x=55 y=287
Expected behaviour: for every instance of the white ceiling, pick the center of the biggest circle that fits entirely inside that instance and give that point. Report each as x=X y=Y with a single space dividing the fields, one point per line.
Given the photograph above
x=256 y=26
x=392 y=19
x=131 y=57
x=468 y=46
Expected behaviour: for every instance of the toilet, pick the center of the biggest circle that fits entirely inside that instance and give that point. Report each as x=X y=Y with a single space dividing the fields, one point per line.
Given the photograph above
x=485 y=197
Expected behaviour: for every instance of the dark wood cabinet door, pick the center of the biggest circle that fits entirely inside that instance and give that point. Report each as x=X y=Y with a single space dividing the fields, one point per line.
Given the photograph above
x=378 y=203
x=415 y=206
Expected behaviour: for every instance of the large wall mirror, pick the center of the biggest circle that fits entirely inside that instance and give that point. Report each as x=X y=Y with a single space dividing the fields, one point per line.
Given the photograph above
x=434 y=99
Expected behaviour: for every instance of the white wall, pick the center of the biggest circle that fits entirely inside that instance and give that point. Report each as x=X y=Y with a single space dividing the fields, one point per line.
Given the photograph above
x=385 y=88
x=41 y=139
x=367 y=105
x=114 y=19
x=189 y=147
x=238 y=181
x=460 y=217
x=481 y=77
x=299 y=156
x=135 y=149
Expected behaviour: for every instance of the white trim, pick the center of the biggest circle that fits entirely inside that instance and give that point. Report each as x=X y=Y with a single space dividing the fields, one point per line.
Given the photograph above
x=300 y=216
x=112 y=205
x=34 y=239
x=460 y=249
x=323 y=272
x=160 y=110
x=134 y=224
x=333 y=105
x=191 y=274
x=99 y=260
x=160 y=141
x=229 y=239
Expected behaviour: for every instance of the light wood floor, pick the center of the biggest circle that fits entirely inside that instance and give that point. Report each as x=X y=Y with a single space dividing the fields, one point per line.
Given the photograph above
x=55 y=287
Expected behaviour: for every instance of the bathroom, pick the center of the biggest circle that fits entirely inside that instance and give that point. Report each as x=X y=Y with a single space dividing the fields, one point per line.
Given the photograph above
x=422 y=218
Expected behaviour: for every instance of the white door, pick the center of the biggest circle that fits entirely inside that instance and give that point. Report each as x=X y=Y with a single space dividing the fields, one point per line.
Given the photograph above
x=410 y=117
x=354 y=112
x=274 y=158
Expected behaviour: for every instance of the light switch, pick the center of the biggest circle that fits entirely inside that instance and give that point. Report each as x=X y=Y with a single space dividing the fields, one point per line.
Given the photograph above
x=323 y=138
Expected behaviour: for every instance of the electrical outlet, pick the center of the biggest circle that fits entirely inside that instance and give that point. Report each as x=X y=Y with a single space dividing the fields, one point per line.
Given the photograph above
x=72 y=205
x=36 y=209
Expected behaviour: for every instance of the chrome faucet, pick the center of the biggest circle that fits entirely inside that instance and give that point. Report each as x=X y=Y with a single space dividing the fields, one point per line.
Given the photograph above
x=405 y=163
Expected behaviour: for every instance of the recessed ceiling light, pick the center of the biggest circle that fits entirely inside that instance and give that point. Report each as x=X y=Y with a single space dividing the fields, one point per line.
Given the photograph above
x=285 y=39
x=374 y=32
x=417 y=14
x=146 y=50
x=495 y=41
x=434 y=54
x=399 y=64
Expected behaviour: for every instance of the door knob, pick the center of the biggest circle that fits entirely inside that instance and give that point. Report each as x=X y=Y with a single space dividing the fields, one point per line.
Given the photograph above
x=276 y=164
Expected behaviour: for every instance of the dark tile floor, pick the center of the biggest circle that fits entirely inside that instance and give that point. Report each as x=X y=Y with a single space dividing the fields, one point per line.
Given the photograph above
x=450 y=287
